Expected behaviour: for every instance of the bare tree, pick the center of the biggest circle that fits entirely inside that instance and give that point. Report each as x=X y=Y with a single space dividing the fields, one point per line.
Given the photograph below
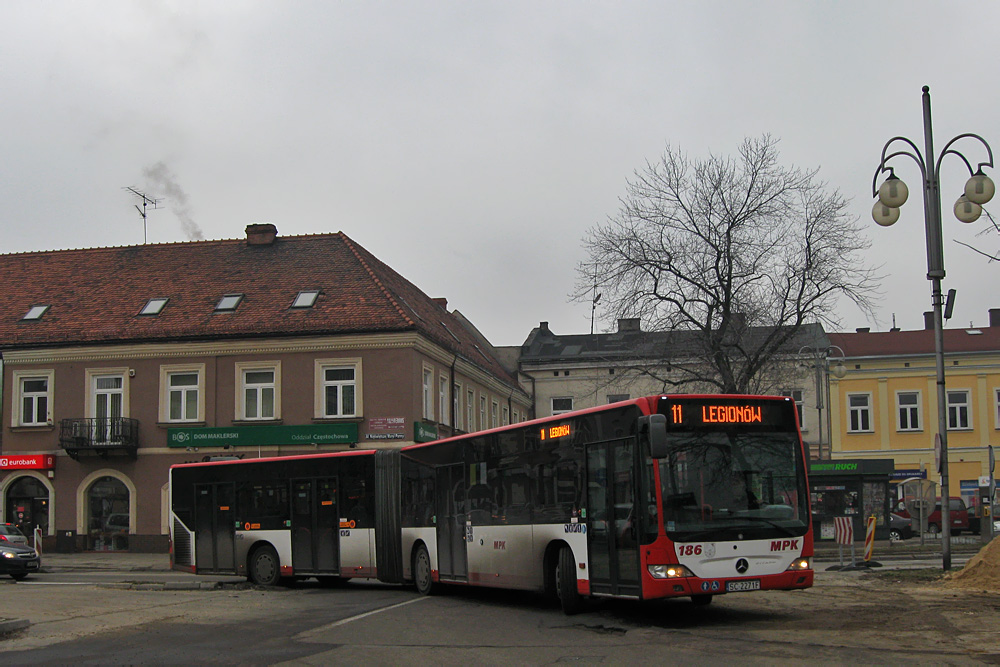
x=740 y=251
x=992 y=228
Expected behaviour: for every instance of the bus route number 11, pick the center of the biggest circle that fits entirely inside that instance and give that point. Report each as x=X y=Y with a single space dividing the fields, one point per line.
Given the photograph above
x=675 y=413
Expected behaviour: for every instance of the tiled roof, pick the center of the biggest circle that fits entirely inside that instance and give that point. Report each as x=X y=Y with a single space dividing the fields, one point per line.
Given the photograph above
x=904 y=343
x=95 y=295
x=543 y=345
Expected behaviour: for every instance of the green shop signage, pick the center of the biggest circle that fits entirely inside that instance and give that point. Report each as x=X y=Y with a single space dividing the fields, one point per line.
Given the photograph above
x=424 y=432
x=260 y=436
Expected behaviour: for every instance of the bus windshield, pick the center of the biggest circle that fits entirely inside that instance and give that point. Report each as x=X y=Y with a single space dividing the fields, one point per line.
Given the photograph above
x=729 y=485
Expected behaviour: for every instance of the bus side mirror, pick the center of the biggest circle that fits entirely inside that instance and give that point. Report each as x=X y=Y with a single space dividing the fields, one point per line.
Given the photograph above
x=654 y=430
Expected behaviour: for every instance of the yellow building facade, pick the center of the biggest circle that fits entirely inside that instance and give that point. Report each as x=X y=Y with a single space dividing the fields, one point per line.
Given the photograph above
x=886 y=405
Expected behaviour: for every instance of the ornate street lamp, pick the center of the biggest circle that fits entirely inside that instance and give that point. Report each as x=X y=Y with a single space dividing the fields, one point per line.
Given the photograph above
x=891 y=195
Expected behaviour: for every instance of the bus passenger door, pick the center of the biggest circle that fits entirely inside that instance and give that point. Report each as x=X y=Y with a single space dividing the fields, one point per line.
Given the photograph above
x=612 y=529
x=327 y=526
x=451 y=516
x=302 y=525
x=215 y=533
x=315 y=526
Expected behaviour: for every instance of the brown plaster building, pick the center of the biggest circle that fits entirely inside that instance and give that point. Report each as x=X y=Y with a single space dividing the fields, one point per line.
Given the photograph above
x=119 y=362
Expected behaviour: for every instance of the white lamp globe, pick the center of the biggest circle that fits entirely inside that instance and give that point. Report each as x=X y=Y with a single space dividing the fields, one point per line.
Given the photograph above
x=884 y=215
x=893 y=192
x=980 y=189
x=967 y=211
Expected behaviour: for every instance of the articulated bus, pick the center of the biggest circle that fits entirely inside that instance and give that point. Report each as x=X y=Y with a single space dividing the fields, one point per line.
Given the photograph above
x=665 y=496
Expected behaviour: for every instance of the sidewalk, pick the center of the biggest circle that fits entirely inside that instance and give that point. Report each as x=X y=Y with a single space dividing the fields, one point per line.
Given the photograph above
x=121 y=561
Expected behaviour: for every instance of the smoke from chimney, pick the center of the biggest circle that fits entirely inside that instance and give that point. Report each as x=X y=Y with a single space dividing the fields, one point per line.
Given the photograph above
x=161 y=179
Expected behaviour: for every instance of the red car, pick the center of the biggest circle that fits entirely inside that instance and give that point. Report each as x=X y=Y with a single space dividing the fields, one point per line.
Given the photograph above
x=959 y=517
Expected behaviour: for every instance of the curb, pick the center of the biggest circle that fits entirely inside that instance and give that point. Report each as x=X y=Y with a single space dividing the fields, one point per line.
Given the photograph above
x=9 y=625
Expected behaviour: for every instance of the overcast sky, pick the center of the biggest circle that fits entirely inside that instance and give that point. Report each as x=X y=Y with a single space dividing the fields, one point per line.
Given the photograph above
x=469 y=145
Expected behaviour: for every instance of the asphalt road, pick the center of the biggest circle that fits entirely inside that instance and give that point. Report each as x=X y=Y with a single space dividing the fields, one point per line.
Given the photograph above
x=846 y=617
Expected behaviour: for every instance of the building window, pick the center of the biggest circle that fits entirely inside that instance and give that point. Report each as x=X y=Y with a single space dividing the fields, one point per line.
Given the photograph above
x=259 y=391
x=506 y=415
x=443 y=402
x=34 y=399
x=470 y=410
x=183 y=397
x=339 y=391
x=996 y=406
x=35 y=313
x=860 y=413
x=228 y=303
x=615 y=398
x=154 y=306
x=561 y=405
x=494 y=414
x=456 y=400
x=428 y=396
x=305 y=299
x=482 y=412
x=908 y=409
x=958 y=410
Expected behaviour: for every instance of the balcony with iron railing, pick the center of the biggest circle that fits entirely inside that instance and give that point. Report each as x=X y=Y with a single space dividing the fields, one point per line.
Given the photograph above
x=101 y=436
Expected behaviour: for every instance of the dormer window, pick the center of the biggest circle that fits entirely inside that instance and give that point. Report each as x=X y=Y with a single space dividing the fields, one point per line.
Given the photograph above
x=228 y=303
x=154 y=306
x=305 y=299
x=36 y=312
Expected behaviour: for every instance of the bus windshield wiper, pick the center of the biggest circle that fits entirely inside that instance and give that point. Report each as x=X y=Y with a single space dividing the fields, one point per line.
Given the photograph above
x=771 y=522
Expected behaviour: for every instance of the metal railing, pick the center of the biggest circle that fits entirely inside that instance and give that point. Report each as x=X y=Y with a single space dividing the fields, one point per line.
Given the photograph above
x=99 y=435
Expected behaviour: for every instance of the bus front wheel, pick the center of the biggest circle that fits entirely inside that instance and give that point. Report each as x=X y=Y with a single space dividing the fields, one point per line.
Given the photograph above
x=423 y=578
x=701 y=600
x=569 y=595
x=265 y=568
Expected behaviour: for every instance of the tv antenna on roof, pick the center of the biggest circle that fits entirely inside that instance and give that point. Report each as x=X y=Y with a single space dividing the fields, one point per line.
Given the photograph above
x=146 y=201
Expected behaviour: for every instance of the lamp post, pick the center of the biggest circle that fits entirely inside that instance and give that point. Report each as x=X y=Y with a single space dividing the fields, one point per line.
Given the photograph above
x=821 y=362
x=891 y=195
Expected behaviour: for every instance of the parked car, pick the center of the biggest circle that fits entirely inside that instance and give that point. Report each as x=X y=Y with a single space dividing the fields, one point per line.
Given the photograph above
x=959 y=515
x=10 y=534
x=900 y=527
x=975 y=522
x=18 y=561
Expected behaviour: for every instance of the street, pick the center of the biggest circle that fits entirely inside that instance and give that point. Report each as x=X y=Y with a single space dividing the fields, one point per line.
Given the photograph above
x=892 y=616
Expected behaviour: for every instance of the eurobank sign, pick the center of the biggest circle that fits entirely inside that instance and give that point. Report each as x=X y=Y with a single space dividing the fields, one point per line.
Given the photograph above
x=29 y=462
x=263 y=436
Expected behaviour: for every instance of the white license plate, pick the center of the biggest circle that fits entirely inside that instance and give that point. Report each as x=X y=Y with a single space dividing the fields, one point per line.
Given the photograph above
x=745 y=585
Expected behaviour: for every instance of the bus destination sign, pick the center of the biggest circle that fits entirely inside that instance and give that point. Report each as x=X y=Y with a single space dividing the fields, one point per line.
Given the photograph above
x=553 y=432
x=697 y=413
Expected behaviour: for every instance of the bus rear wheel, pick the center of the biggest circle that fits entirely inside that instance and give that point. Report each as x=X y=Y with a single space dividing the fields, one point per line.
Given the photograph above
x=423 y=578
x=569 y=595
x=265 y=568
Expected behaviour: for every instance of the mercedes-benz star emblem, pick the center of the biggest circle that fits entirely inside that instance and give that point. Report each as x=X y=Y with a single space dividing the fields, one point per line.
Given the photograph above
x=742 y=565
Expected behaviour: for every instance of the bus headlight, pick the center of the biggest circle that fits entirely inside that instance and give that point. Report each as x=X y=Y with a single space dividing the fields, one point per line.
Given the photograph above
x=799 y=564
x=669 y=571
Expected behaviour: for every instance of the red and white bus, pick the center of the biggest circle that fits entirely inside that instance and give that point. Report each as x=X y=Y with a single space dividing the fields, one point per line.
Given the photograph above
x=656 y=497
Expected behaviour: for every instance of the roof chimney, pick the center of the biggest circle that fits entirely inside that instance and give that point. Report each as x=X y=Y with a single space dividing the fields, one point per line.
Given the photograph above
x=995 y=317
x=629 y=324
x=261 y=233
x=928 y=320
x=441 y=301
